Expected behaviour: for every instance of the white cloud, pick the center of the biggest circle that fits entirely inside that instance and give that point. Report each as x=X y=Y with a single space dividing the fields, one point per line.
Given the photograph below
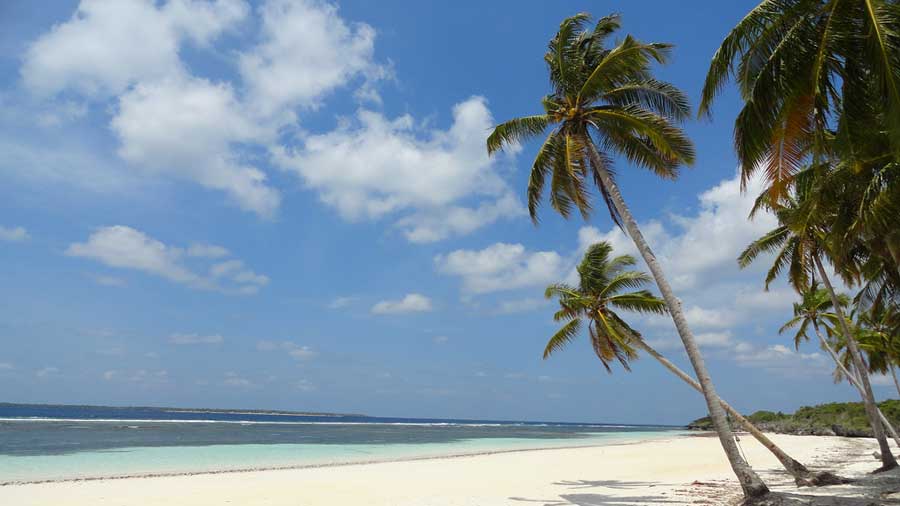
x=6 y=366
x=294 y=350
x=698 y=248
x=440 y=339
x=307 y=51
x=126 y=248
x=393 y=166
x=501 y=267
x=714 y=339
x=195 y=339
x=13 y=234
x=703 y=318
x=783 y=360
x=154 y=119
x=411 y=303
x=96 y=53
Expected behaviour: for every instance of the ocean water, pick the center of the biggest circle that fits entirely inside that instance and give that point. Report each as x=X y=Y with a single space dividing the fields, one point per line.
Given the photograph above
x=41 y=443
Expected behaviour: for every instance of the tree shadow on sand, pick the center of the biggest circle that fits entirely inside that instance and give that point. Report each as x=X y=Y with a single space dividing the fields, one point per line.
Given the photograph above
x=601 y=499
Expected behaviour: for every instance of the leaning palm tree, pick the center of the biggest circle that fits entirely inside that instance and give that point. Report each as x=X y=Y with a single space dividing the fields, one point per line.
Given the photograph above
x=606 y=287
x=799 y=245
x=815 y=76
x=605 y=102
x=815 y=310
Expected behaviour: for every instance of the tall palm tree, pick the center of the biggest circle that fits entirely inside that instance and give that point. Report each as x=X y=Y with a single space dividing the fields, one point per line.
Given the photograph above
x=816 y=77
x=605 y=287
x=799 y=244
x=607 y=98
x=815 y=310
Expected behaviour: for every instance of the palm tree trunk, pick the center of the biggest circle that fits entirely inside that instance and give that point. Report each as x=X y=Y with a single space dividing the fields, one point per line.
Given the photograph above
x=894 y=375
x=887 y=458
x=802 y=475
x=853 y=380
x=751 y=483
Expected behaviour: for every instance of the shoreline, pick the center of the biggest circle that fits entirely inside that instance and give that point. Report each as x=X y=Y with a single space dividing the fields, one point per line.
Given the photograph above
x=331 y=464
x=674 y=471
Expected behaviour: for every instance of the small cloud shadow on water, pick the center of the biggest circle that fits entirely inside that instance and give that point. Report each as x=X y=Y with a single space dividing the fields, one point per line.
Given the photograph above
x=600 y=499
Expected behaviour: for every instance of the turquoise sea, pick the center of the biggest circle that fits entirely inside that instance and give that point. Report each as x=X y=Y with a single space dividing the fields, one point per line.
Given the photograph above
x=45 y=443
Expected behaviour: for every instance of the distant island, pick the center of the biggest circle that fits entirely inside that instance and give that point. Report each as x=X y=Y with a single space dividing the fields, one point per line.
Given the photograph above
x=832 y=419
x=226 y=411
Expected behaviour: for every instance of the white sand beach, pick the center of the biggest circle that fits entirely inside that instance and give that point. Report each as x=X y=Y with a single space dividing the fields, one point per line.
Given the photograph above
x=679 y=470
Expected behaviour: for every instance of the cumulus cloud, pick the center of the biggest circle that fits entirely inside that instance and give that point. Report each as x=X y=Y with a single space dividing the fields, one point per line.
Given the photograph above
x=411 y=303
x=13 y=234
x=783 y=360
x=307 y=51
x=155 y=118
x=95 y=52
x=433 y=183
x=127 y=248
x=394 y=166
x=195 y=339
x=501 y=267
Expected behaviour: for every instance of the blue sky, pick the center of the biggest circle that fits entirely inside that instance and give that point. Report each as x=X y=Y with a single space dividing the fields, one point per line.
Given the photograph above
x=288 y=205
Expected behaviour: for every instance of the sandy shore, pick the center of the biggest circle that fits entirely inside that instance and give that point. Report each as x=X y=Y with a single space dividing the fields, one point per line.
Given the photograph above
x=681 y=470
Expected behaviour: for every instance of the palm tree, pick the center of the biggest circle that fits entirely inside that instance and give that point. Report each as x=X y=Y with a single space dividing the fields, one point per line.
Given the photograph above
x=798 y=244
x=815 y=310
x=880 y=337
x=607 y=97
x=816 y=77
x=605 y=287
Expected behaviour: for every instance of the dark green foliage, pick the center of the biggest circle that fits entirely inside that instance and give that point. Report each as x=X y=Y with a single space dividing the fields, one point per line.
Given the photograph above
x=838 y=418
x=604 y=102
x=605 y=287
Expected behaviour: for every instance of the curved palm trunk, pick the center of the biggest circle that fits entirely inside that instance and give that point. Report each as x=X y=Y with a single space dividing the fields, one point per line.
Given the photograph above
x=802 y=475
x=853 y=380
x=887 y=458
x=751 y=483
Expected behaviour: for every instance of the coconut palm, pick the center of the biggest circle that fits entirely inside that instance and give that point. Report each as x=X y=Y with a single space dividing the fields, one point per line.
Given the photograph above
x=606 y=287
x=815 y=310
x=799 y=245
x=605 y=102
x=816 y=76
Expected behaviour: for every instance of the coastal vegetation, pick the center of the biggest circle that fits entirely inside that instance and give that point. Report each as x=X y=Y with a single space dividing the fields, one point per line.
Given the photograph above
x=819 y=126
x=832 y=419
